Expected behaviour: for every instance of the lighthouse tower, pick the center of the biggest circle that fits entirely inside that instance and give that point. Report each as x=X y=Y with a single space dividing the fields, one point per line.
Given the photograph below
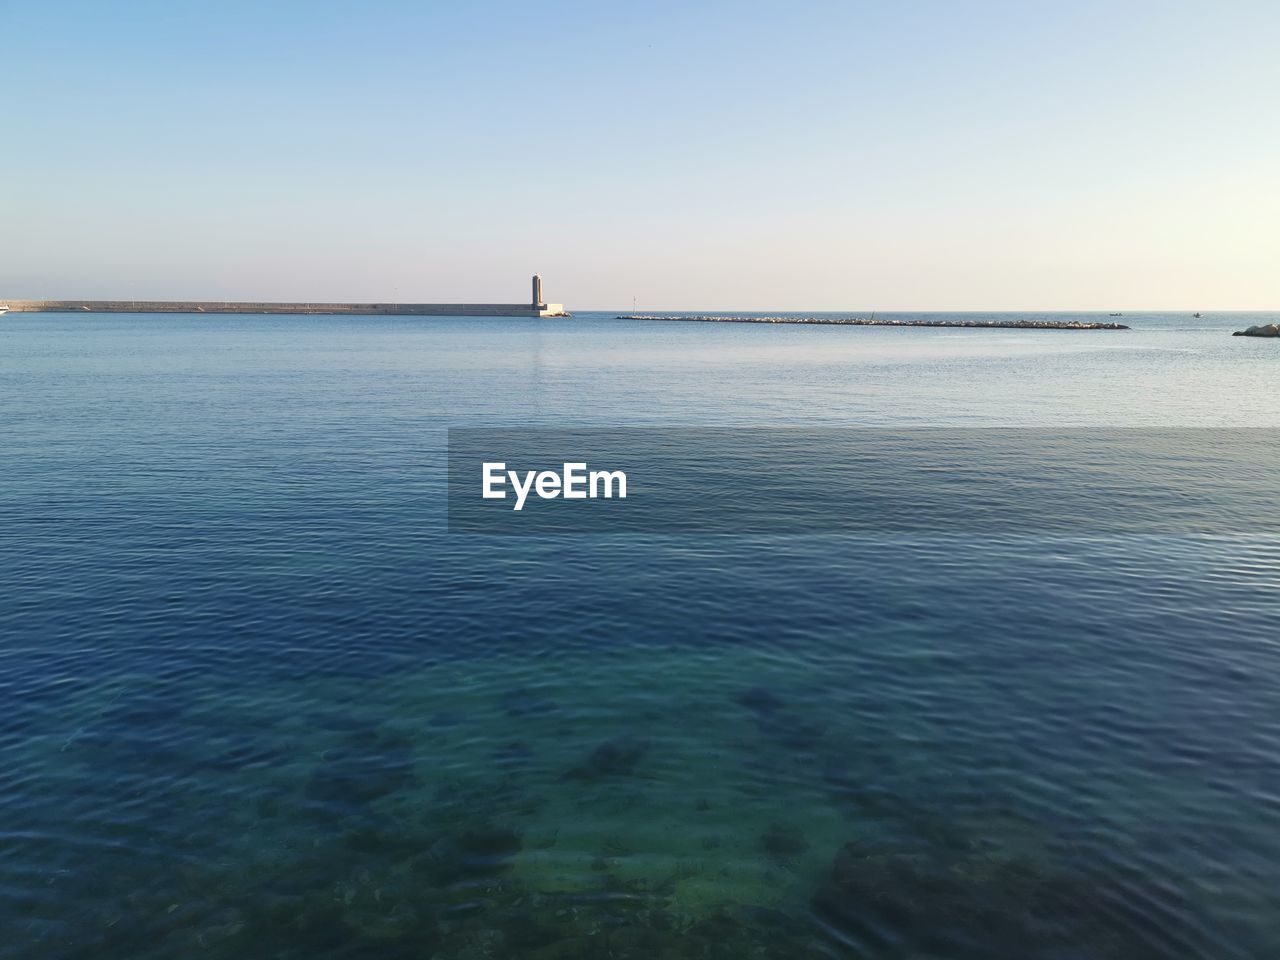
x=539 y=307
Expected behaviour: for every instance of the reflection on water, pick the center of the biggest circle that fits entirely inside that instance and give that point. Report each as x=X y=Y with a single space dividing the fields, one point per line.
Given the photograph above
x=259 y=704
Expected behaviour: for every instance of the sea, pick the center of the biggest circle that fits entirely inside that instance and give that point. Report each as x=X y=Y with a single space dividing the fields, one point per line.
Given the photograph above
x=261 y=700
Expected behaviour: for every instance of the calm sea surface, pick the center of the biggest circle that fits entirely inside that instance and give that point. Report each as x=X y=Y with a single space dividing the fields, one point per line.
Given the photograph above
x=257 y=702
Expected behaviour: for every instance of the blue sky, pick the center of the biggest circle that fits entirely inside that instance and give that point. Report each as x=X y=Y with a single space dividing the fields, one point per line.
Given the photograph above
x=919 y=154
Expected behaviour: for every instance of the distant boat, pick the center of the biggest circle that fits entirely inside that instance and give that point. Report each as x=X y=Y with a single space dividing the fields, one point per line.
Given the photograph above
x=4 y=308
x=1115 y=314
x=1196 y=315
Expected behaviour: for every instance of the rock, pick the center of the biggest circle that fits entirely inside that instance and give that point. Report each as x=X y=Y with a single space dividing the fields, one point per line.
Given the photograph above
x=490 y=844
x=783 y=844
x=523 y=702
x=613 y=758
x=571 y=948
x=476 y=851
x=1265 y=330
x=524 y=931
x=934 y=904
x=517 y=751
x=759 y=699
x=369 y=764
x=790 y=730
x=635 y=941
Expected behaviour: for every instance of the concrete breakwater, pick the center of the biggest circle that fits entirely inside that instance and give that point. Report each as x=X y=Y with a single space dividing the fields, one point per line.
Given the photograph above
x=873 y=322
x=220 y=306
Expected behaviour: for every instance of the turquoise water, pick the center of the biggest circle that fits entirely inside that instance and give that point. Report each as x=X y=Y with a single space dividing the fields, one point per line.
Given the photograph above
x=259 y=703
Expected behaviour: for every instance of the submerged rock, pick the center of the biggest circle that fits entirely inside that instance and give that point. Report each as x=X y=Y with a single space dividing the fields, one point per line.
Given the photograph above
x=613 y=758
x=524 y=931
x=477 y=851
x=782 y=844
x=369 y=765
x=490 y=843
x=517 y=751
x=978 y=906
x=522 y=702
x=775 y=721
x=244 y=753
x=760 y=699
x=790 y=730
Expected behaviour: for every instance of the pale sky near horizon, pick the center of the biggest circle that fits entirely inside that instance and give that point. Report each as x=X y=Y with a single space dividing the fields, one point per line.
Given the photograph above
x=917 y=154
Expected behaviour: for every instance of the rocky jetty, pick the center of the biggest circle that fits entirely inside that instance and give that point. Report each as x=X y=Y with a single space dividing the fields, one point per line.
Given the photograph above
x=1265 y=330
x=874 y=322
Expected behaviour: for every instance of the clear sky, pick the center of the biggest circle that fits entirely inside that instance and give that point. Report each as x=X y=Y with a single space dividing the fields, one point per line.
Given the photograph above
x=899 y=154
